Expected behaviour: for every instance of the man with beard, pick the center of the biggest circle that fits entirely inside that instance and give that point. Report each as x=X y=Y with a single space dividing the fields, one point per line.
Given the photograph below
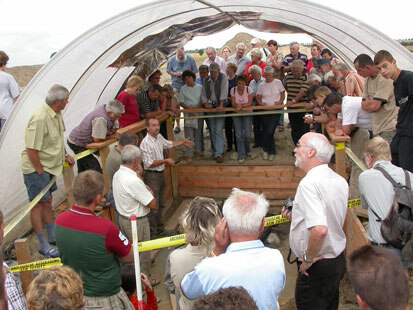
x=317 y=218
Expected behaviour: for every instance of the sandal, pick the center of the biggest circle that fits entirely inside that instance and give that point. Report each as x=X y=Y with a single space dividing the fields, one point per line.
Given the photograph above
x=50 y=253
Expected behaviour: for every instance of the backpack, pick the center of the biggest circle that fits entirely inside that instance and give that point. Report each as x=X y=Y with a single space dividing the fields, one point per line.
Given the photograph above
x=397 y=227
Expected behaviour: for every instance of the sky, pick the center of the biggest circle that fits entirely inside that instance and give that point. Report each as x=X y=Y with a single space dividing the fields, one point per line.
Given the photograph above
x=30 y=31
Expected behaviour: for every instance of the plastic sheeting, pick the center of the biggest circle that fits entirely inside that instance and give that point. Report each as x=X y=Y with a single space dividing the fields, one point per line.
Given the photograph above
x=95 y=65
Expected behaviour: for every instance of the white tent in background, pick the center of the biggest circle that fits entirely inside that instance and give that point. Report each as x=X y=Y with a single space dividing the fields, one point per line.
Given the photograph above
x=94 y=66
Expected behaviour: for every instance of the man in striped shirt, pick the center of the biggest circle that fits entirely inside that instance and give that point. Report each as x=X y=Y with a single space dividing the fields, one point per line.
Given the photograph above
x=353 y=82
x=152 y=147
x=297 y=86
x=294 y=55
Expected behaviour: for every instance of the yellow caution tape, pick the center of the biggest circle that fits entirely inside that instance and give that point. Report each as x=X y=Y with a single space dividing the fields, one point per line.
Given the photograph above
x=39 y=265
x=170 y=120
x=160 y=243
x=355 y=159
x=340 y=146
x=27 y=209
x=81 y=155
x=354 y=203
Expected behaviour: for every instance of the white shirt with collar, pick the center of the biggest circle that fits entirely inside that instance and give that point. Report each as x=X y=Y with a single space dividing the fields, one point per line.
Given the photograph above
x=152 y=149
x=321 y=200
x=130 y=193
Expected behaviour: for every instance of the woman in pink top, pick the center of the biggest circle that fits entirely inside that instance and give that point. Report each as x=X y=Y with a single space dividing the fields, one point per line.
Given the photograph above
x=241 y=97
x=128 y=99
x=270 y=93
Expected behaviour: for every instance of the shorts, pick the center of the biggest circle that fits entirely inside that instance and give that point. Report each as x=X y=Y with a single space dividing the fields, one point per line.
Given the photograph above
x=36 y=182
x=119 y=301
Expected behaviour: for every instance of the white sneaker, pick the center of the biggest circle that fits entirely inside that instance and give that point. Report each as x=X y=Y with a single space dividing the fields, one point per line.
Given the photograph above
x=271 y=157
x=241 y=160
x=265 y=155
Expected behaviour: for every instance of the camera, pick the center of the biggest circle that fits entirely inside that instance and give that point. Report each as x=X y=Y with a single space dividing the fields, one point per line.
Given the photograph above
x=289 y=203
x=214 y=104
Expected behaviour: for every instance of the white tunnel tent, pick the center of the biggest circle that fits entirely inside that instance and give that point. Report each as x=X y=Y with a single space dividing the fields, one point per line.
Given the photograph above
x=95 y=65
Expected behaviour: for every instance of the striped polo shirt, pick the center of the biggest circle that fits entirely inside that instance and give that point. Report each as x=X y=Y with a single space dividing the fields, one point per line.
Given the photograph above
x=152 y=149
x=91 y=246
x=294 y=86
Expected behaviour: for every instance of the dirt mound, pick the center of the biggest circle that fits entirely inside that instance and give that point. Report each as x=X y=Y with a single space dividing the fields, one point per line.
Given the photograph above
x=246 y=39
x=23 y=74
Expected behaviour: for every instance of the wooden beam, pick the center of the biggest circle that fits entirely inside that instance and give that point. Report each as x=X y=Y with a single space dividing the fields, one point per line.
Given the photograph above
x=68 y=177
x=252 y=108
x=240 y=171
x=103 y=157
x=356 y=235
x=222 y=193
x=23 y=256
x=273 y=183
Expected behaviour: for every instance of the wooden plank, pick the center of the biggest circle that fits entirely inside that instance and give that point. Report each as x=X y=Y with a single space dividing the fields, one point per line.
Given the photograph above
x=103 y=157
x=23 y=256
x=68 y=177
x=273 y=183
x=137 y=127
x=237 y=171
x=252 y=108
x=222 y=193
x=356 y=235
x=359 y=211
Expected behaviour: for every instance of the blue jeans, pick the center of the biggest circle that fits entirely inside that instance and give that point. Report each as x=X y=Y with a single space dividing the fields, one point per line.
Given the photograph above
x=269 y=124
x=281 y=122
x=217 y=134
x=242 y=126
x=398 y=252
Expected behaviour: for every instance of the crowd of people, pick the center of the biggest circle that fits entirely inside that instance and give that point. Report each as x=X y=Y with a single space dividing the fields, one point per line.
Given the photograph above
x=224 y=256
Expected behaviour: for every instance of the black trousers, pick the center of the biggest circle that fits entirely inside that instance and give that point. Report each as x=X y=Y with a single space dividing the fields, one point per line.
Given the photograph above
x=230 y=132
x=320 y=289
x=298 y=127
x=402 y=152
x=86 y=163
x=257 y=124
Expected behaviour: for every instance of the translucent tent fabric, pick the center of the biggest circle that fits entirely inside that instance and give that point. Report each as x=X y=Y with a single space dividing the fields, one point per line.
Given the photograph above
x=95 y=65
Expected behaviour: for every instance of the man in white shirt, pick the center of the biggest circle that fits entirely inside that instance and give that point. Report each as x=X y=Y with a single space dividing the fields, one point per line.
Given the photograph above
x=353 y=121
x=316 y=234
x=212 y=57
x=152 y=147
x=133 y=197
x=239 y=257
x=376 y=192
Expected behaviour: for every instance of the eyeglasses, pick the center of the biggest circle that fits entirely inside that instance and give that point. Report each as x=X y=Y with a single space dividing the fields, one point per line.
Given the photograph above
x=303 y=145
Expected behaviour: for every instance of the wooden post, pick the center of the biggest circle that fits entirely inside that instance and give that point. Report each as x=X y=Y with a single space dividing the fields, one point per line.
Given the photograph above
x=174 y=172
x=341 y=159
x=68 y=176
x=104 y=152
x=23 y=257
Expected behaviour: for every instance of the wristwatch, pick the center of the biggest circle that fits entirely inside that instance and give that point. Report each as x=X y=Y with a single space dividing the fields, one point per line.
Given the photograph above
x=308 y=261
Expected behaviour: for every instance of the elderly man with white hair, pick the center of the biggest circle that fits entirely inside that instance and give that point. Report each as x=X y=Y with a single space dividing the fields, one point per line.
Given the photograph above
x=239 y=58
x=353 y=82
x=239 y=258
x=133 y=197
x=316 y=234
x=97 y=126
